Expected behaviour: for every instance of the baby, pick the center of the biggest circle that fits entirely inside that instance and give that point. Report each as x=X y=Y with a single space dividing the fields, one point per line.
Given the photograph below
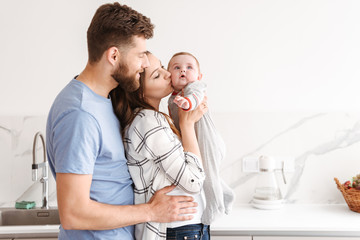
x=185 y=76
x=188 y=93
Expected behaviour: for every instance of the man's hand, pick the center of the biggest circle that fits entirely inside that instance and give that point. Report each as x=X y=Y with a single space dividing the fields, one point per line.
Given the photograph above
x=166 y=208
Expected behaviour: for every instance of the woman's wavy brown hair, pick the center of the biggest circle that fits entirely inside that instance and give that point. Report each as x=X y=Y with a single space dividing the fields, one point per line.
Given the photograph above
x=126 y=105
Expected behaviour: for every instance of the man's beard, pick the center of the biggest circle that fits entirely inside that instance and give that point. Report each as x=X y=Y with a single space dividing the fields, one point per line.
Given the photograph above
x=129 y=83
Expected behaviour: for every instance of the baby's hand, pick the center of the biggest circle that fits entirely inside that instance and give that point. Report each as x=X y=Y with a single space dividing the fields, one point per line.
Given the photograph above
x=181 y=102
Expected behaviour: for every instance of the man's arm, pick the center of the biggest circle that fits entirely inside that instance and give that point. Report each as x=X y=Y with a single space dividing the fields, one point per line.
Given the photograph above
x=78 y=211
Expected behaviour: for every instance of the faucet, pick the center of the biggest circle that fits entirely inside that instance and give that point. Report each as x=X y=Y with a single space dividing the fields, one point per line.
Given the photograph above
x=45 y=166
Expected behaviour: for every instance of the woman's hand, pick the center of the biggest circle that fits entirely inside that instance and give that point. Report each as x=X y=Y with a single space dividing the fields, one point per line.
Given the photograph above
x=191 y=117
x=187 y=121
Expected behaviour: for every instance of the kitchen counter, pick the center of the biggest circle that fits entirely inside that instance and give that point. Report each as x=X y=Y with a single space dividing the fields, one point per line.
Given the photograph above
x=29 y=231
x=291 y=220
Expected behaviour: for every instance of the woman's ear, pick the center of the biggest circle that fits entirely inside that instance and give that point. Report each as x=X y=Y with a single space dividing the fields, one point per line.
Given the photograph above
x=113 y=55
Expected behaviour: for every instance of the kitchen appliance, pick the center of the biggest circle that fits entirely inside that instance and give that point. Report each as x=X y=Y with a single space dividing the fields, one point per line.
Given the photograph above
x=267 y=193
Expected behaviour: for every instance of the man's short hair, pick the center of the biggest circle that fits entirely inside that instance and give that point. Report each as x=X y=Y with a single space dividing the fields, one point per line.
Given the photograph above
x=114 y=25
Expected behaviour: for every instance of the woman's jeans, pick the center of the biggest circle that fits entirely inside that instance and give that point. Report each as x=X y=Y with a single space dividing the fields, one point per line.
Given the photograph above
x=189 y=232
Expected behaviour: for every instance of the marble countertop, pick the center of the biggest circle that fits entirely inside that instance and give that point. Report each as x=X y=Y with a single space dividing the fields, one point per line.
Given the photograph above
x=291 y=220
x=29 y=231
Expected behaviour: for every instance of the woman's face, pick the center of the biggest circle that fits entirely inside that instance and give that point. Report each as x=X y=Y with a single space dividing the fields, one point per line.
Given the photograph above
x=157 y=82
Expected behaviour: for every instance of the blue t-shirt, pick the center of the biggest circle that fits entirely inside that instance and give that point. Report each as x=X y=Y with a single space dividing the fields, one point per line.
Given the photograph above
x=83 y=137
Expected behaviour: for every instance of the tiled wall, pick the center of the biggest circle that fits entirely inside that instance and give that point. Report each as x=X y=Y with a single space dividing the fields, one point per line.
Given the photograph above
x=324 y=146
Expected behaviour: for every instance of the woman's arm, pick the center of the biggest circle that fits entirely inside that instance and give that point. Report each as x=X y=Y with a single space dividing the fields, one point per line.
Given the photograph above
x=187 y=122
x=152 y=140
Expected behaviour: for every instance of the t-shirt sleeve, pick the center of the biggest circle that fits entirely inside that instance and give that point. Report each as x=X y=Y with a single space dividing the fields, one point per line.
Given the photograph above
x=76 y=143
x=152 y=138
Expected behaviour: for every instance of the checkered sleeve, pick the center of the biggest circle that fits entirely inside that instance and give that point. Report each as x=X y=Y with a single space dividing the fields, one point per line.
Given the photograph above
x=152 y=139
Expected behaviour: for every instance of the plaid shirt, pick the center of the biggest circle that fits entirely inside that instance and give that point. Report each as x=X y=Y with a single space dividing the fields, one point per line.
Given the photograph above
x=157 y=159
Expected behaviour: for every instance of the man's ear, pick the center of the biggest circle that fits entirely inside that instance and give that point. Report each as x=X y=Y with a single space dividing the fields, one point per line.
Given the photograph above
x=200 y=76
x=113 y=55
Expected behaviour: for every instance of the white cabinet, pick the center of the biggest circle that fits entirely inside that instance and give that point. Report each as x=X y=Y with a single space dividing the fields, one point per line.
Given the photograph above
x=303 y=238
x=231 y=238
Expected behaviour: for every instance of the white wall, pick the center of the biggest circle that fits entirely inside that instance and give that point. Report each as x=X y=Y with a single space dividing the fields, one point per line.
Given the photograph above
x=256 y=55
x=270 y=66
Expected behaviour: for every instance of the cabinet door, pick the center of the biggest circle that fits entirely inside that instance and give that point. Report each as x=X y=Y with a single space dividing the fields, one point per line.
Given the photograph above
x=303 y=238
x=231 y=238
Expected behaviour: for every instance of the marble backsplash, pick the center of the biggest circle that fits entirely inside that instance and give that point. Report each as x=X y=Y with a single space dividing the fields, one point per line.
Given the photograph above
x=324 y=146
x=16 y=149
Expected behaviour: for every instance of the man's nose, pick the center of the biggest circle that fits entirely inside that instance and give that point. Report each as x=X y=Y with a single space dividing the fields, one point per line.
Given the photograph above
x=146 y=62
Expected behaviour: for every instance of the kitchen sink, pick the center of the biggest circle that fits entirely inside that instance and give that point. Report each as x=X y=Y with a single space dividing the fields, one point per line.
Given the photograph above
x=15 y=217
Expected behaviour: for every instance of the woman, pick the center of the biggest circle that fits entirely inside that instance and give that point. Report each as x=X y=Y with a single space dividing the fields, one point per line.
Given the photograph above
x=156 y=156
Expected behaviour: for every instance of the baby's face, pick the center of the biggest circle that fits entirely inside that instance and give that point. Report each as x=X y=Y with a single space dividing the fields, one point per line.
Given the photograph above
x=184 y=70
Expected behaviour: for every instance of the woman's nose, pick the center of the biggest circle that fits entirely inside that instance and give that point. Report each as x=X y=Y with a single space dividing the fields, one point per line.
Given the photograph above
x=168 y=75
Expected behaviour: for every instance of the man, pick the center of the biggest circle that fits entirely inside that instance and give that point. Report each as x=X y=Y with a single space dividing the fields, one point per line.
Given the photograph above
x=84 y=145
